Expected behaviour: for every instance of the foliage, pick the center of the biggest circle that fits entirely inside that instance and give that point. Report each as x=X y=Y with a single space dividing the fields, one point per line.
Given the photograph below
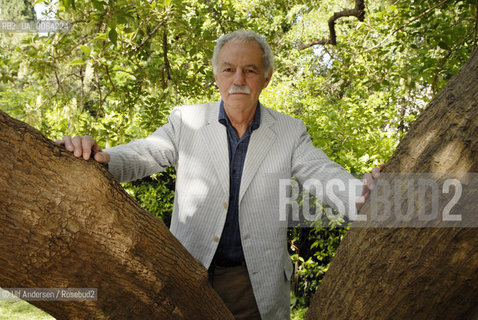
x=124 y=64
x=155 y=193
x=313 y=250
x=16 y=10
x=298 y=313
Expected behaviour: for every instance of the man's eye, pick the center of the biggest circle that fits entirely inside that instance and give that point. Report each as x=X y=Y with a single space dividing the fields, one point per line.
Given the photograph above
x=228 y=70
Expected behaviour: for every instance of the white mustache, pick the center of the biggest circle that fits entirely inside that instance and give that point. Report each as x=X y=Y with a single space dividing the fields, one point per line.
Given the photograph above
x=239 y=89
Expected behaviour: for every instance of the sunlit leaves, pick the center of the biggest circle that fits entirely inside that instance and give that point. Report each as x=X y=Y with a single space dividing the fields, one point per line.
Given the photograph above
x=124 y=64
x=98 y=5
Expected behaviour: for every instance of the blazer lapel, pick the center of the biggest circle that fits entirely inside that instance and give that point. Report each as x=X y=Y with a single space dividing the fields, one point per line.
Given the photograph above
x=214 y=136
x=259 y=145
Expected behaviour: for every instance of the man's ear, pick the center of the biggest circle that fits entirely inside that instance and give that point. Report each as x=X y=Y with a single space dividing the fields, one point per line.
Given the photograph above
x=268 y=79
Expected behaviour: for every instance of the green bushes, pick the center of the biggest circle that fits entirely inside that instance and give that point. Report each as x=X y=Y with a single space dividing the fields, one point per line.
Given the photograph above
x=125 y=64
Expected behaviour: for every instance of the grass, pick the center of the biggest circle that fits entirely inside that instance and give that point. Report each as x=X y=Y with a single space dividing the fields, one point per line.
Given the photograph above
x=21 y=310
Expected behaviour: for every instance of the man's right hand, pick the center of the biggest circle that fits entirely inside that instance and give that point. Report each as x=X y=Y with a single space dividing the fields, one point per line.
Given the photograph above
x=84 y=147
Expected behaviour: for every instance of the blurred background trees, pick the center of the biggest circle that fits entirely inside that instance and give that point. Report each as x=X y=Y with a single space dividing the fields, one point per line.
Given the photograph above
x=124 y=65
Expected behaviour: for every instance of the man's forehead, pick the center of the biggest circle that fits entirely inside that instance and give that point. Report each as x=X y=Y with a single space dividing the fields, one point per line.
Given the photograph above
x=247 y=53
x=231 y=64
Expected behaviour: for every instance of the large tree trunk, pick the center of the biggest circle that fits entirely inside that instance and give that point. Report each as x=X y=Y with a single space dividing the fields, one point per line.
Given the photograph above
x=416 y=273
x=65 y=223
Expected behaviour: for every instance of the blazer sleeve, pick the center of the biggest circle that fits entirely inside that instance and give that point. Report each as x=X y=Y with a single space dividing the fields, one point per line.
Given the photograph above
x=328 y=180
x=143 y=157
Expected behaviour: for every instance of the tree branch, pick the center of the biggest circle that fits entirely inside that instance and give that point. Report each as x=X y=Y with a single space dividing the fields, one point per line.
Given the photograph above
x=109 y=77
x=145 y=40
x=215 y=16
x=58 y=82
x=358 y=12
x=150 y=35
x=99 y=89
x=444 y=59
x=406 y=24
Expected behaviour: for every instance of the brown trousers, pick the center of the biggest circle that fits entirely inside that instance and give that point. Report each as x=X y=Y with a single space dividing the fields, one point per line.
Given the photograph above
x=234 y=287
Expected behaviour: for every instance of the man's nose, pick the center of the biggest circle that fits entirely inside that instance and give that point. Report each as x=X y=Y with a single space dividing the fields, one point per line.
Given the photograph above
x=239 y=78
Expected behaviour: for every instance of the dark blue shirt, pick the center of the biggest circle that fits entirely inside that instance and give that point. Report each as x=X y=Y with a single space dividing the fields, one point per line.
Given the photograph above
x=230 y=247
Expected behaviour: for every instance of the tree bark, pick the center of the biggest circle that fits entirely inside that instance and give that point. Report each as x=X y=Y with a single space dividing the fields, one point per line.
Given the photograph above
x=66 y=223
x=416 y=273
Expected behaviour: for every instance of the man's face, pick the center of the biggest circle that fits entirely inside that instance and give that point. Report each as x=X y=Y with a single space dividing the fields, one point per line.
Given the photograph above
x=240 y=65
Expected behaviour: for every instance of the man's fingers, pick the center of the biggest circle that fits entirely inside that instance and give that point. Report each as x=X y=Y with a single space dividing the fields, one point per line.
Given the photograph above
x=102 y=157
x=96 y=147
x=368 y=183
x=87 y=145
x=376 y=172
x=77 y=148
x=66 y=141
x=360 y=202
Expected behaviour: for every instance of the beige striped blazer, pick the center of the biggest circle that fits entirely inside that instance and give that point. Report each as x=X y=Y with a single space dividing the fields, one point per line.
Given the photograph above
x=196 y=143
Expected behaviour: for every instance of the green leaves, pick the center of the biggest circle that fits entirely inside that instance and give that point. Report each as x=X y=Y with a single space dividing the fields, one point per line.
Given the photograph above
x=76 y=62
x=113 y=35
x=86 y=50
x=98 y=5
x=69 y=4
x=126 y=63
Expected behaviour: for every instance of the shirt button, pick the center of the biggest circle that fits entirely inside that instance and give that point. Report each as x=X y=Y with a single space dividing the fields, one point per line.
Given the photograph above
x=225 y=205
x=215 y=239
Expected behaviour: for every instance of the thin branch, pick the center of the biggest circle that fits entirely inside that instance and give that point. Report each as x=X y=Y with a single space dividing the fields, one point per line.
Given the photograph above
x=139 y=27
x=166 y=66
x=313 y=43
x=145 y=40
x=81 y=42
x=98 y=86
x=444 y=59
x=406 y=24
x=109 y=77
x=215 y=16
x=58 y=82
x=162 y=23
x=358 y=12
x=82 y=80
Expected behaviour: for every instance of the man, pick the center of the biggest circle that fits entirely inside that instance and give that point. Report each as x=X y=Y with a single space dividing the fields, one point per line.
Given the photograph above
x=230 y=156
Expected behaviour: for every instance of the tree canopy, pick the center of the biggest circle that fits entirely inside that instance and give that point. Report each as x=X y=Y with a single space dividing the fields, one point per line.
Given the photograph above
x=123 y=65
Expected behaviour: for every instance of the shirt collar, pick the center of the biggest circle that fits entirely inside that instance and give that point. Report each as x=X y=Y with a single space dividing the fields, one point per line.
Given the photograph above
x=256 y=121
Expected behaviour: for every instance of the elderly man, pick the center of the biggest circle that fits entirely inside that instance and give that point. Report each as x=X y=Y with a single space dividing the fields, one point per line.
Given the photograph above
x=230 y=156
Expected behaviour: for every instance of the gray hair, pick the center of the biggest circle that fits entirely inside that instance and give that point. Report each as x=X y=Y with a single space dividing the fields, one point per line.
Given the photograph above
x=245 y=36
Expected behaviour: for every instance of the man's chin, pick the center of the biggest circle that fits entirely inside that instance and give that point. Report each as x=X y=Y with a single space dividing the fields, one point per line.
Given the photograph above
x=239 y=103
